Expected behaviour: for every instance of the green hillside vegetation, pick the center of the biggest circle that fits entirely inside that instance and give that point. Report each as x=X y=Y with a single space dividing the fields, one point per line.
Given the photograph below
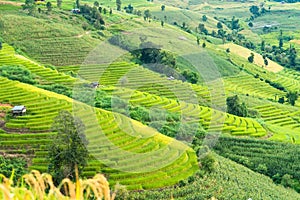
x=264 y=157
x=179 y=99
x=50 y=43
x=39 y=119
x=228 y=181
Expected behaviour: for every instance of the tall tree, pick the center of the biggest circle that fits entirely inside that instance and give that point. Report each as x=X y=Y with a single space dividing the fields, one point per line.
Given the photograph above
x=280 y=42
x=251 y=58
x=266 y=62
x=30 y=6
x=163 y=7
x=147 y=14
x=68 y=148
x=263 y=45
x=96 y=4
x=219 y=25
x=292 y=97
x=49 y=6
x=119 y=5
x=235 y=107
x=58 y=3
x=292 y=56
x=254 y=10
x=77 y=3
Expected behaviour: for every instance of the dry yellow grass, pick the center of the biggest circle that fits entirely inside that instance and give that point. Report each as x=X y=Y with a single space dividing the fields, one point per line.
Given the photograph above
x=258 y=60
x=295 y=41
x=41 y=187
x=11 y=3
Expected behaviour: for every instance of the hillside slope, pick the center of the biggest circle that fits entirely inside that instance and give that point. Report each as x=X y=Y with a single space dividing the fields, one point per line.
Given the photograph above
x=228 y=181
x=128 y=151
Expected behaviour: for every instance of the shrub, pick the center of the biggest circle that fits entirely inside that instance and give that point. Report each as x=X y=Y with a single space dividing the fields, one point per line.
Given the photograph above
x=18 y=73
x=208 y=162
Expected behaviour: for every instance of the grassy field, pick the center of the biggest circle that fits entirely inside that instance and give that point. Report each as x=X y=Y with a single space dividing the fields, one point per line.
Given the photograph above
x=53 y=43
x=258 y=60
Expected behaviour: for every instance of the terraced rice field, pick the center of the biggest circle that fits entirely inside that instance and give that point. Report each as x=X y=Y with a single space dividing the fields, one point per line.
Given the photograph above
x=283 y=123
x=124 y=149
x=8 y=57
x=247 y=84
x=284 y=77
x=146 y=88
x=210 y=119
x=136 y=77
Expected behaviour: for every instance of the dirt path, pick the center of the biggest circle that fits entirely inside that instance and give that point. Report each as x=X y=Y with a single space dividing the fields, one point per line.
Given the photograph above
x=86 y=33
x=11 y=3
x=5 y=105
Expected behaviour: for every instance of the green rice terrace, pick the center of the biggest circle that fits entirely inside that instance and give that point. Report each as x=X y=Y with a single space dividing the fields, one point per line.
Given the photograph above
x=158 y=99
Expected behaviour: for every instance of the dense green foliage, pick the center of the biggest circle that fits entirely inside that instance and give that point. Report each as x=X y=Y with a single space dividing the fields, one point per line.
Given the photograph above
x=235 y=107
x=68 y=150
x=63 y=38
x=18 y=73
x=228 y=181
x=276 y=160
x=14 y=166
x=57 y=88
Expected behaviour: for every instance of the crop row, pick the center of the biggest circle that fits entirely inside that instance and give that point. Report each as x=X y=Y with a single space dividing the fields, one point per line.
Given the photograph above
x=116 y=141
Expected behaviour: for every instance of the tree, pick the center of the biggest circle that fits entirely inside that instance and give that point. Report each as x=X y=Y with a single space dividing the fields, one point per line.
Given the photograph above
x=234 y=23
x=281 y=100
x=203 y=44
x=147 y=14
x=30 y=6
x=58 y=3
x=202 y=29
x=49 y=6
x=292 y=56
x=263 y=45
x=235 y=107
x=0 y=45
x=119 y=4
x=287 y=180
x=77 y=3
x=208 y=162
x=254 y=10
x=204 y=18
x=68 y=148
x=250 y=24
x=162 y=23
x=198 y=41
x=219 y=25
x=266 y=62
x=163 y=7
x=251 y=58
x=96 y=4
x=190 y=76
x=292 y=97
x=280 y=42
x=129 y=8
